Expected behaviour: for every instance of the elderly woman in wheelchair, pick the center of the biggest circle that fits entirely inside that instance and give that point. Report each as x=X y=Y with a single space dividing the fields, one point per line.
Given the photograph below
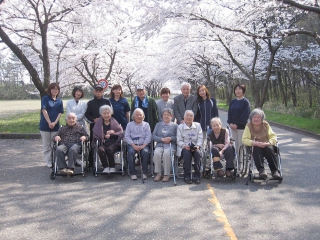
x=259 y=135
x=69 y=138
x=221 y=147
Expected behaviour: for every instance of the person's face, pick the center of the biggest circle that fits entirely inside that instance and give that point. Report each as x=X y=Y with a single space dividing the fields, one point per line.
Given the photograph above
x=77 y=94
x=117 y=92
x=98 y=92
x=185 y=90
x=256 y=119
x=71 y=120
x=54 y=91
x=165 y=96
x=166 y=117
x=238 y=91
x=106 y=115
x=140 y=93
x=138 y=117
x=216 y=127
x=202 y=92
x=188 y=118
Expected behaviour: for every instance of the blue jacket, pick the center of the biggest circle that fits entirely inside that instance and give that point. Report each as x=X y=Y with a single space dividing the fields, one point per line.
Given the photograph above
x=238 y=112
x=206 y=111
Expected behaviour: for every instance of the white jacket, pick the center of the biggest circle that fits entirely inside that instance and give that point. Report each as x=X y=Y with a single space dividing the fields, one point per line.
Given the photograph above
x=79 y=109
x=184 y=133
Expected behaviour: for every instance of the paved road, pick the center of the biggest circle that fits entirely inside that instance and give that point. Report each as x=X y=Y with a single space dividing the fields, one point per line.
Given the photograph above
x=34 y=207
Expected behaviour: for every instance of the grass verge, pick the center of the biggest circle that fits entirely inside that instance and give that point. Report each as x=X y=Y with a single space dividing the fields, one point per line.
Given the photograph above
x=23 y=123
x=308 y=124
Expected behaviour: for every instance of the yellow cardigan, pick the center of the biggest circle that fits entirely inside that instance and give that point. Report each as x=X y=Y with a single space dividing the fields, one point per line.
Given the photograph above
x=247 y=141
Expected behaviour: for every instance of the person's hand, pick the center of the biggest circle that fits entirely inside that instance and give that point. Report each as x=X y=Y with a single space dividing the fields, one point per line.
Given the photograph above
x=186 y=147
x=51 y=125
x=135 y=147
x=220 y=145
x=221 y=154
x=233 y=126
x=111 y=132
x=166 y=139
x=142 y=147
x=107 y=136
x=195 y=149
x=96 y=120
x=57 y=139
x=83 y=138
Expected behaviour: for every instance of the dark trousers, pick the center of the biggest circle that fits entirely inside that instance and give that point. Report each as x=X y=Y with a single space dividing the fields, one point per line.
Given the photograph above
x=106 y=153
x=187 y=158
x=228 y=156
x=269 y=154
x=144 y=159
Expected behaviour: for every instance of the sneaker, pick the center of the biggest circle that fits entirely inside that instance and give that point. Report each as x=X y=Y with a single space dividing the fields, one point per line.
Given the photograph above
x=112 y=170
x=134 y=177
x=276 y=175
x=220 y=173
x=69 y=171
x=49 y=165
x=63 y=171
x=228 y=173
x=187 y=180
x=144 y=176
x=165 y=178
x=197 y=180
x=262 y=174
x=106 y=170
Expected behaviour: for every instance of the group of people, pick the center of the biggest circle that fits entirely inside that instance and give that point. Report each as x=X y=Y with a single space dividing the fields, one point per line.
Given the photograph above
x=181 y=125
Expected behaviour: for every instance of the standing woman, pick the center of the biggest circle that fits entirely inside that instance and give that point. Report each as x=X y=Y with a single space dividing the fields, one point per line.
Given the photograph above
x=238 y=114
x=120 y=106
x=51 y=110
x=77 y=106
x=207 y=109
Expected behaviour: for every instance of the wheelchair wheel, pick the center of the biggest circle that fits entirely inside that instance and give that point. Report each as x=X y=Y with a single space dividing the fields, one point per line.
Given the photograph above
x=207 y=173
x=52 y=176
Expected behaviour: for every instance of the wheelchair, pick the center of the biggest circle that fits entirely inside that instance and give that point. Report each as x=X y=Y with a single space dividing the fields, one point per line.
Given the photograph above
x=173 y=159
x=84 y=163
x=137 y=160
x=249 y=165
x=120 y=164
x=208 y=170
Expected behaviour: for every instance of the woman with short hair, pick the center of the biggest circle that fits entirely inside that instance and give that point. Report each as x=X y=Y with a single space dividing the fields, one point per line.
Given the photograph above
x=260 y=136
x=138 y=137
x=109 y=134
x=238 y=114
x=164 y=102
x=77 y=105
x=164 y=133
x=220 y=139
x=51 y=111
x=189 y=140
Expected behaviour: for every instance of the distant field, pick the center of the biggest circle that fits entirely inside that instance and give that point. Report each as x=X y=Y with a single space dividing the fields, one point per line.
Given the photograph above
x=8 y=108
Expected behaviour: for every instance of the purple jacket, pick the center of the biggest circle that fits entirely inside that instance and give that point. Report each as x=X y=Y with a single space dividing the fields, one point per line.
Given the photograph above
x=98 y=130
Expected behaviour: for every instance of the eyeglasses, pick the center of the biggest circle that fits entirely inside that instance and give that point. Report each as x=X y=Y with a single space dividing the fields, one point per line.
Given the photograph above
x=99 y=90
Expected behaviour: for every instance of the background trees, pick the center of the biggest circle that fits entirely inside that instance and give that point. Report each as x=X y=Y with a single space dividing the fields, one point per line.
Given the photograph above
x=272 y=46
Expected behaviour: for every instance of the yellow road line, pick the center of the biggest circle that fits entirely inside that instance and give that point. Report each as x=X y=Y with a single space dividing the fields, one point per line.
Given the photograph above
x=221 y=216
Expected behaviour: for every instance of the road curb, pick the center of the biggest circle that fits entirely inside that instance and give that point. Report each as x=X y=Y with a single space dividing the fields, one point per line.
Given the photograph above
x=20 y=136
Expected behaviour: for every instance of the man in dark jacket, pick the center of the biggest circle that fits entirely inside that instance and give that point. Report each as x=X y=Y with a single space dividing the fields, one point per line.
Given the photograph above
x=92 y=114
x=147 y=104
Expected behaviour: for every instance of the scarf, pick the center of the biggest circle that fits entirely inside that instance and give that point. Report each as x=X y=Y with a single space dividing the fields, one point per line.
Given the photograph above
x=144 y=102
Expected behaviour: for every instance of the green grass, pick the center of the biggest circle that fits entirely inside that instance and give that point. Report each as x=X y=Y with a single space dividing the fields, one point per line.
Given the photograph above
x=23 y=123
x=29 y=122
x=308 y=124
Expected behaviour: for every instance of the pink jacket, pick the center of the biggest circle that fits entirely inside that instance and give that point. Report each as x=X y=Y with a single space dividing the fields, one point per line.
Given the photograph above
x=98 y=130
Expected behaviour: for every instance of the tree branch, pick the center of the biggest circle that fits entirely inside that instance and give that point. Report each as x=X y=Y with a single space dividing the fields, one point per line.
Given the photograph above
x=301 y=6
